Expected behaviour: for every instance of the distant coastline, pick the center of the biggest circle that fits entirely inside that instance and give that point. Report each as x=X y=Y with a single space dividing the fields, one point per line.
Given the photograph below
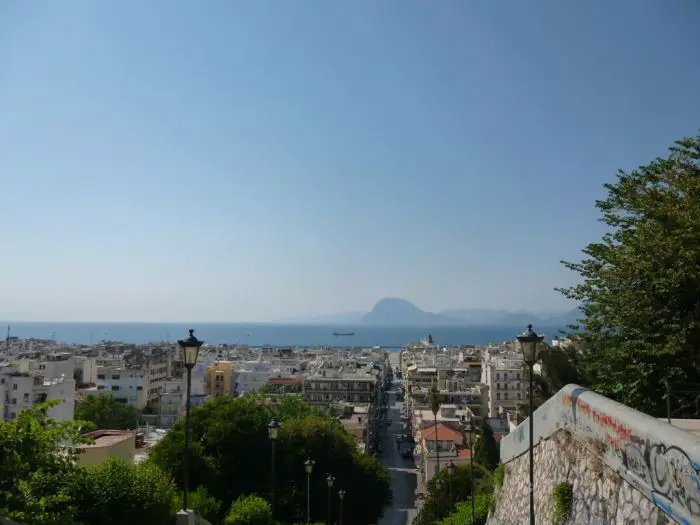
x=275 y=334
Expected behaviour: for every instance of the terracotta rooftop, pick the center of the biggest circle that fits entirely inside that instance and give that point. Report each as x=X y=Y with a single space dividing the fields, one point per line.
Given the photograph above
x=444 y=433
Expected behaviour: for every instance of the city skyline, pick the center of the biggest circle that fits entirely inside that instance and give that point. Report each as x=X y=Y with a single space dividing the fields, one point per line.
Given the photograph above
x=260 y=161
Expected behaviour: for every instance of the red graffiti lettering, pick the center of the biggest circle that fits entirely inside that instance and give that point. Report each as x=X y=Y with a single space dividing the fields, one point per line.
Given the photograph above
x=602 y=420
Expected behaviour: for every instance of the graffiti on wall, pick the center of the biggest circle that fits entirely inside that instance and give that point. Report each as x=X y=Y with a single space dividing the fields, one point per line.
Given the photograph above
x=665 y=472
x=587 y=420
x=671 y=475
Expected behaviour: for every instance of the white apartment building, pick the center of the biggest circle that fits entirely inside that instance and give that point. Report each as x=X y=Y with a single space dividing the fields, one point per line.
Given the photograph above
x=250 y=376
x=128 y=385
x=57 y=365
x=506 y=378
x=21 y=388
x=171 y=405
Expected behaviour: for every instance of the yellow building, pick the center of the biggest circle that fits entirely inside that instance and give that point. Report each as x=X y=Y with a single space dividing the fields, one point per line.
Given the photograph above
x=219 y=379
x=108 y=443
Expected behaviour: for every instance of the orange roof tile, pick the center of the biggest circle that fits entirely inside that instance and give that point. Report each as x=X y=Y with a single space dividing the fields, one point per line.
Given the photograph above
x=444 y=433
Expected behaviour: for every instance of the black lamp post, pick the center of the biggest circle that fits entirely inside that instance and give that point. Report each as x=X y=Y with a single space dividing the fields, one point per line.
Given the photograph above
x=437 y=499
x=341 y=497
x=273 y=428
x=469 y=436
x=451 y=473
x=190 y=349
x=329 y=481
x=529 y=343
x=309 y=467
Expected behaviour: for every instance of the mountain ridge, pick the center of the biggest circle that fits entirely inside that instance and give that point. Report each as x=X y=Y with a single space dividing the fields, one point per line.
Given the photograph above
x=393 y=311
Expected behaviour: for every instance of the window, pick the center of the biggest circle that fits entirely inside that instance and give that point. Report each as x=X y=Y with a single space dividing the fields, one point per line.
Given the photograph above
x=115 y=388
x=518 y=395
x=139 y=388
x=116 y=376
x=498 y=377
x=14 y=387
x=517 y=376
x=505 y=376
x=12 y=415
x=498 y=395
x=26 y=397
x=505 y=396
x=2 y=380
x=518 y=386
x=100 y=376
x=14 y=400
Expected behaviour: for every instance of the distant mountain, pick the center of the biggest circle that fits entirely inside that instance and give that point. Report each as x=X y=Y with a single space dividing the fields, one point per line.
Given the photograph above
x=399 y=312
x=392 y=311
x=341 y=319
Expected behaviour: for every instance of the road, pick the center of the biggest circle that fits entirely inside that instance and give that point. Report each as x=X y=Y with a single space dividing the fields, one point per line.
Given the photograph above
x=402 y=471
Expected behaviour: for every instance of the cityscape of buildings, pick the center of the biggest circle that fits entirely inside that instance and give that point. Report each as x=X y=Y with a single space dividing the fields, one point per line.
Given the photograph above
x=475 y=383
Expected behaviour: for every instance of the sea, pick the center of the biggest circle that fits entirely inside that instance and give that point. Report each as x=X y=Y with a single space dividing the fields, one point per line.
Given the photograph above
x=261 y=334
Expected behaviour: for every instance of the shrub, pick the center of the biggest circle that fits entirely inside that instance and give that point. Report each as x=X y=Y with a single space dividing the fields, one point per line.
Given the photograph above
x=249 y=510
x=563 y=495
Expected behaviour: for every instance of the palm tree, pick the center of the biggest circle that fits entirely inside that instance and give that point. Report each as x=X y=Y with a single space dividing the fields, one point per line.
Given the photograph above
x=434 y=404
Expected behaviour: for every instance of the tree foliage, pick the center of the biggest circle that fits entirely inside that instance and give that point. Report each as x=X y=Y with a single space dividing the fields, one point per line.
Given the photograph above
x=249 y=510
x=231 y=457
x=486 y=449
x=37 y=456
x=463 y=512
x=205 y=505
x=105 y=412
x=116 y=492
x=438 y=502
x=640 y=289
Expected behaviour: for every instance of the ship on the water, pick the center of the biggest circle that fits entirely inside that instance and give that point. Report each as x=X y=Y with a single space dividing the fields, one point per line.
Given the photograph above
x=343 y=333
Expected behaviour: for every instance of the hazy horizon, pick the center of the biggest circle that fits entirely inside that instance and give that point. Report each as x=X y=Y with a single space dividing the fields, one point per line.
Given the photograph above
x=270 y=160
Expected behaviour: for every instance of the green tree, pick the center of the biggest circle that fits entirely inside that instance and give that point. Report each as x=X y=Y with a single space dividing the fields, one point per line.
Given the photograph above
x=105 y=412
x=433 y=400
x=116 y=492
x=641 y=283
x=249 y=510
x=438 y=504
x=205 y=505
x=37 y=456
x=463 y=512
x=486 y=449
x=231 y=457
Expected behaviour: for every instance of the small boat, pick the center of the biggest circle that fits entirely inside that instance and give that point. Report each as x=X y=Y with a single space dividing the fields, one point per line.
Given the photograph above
x=343 y=333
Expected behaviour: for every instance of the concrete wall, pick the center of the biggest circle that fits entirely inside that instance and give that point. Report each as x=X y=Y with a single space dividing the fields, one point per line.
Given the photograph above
x=600 y=495
x=654 y=458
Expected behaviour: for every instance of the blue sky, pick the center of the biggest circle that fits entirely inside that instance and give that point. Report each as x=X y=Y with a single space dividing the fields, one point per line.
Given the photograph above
x=255 y=160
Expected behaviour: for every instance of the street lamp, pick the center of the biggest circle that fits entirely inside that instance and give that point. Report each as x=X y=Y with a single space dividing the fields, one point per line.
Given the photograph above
x=309 y=467
x=529 y=343
x=437 y=498
x=190 y=349
x=273 y=428
x=469 y=437
x=341 y=497
x=451 y=473
x=329 y=481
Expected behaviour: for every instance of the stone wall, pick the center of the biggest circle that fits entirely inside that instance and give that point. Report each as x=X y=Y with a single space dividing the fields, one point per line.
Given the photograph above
x=656 y=464
x=600 y=495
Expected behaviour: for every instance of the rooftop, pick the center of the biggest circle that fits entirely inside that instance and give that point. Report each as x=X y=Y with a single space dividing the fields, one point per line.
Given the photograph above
x=107 y=438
